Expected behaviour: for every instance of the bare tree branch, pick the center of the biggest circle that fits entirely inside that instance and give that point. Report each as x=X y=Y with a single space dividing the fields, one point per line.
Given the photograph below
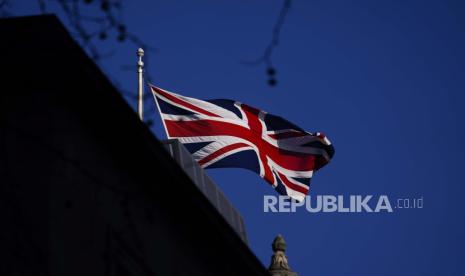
x=87 y=28
x=275 y=39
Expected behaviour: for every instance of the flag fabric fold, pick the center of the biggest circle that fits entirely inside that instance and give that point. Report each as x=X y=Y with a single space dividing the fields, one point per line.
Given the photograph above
x=226 y=133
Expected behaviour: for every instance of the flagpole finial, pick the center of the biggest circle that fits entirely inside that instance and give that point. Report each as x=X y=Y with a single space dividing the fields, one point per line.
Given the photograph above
x=140 y=52
x=140 y=70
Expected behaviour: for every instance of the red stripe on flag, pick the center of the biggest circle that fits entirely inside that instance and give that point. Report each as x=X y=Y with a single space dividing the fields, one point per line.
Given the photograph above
x=291 y=185
x=252 y=115
x=182 y=102
x=285 y=135
x=221 y=151
x=286 y=159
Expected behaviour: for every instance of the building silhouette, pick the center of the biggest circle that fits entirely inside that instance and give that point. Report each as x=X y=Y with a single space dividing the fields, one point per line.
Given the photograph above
x=85 y=187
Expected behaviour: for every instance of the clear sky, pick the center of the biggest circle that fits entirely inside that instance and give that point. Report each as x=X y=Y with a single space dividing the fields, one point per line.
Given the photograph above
x=385 y=80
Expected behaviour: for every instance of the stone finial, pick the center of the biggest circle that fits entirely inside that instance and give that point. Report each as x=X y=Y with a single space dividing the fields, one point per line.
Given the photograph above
x=279 y=265
x=279 y=244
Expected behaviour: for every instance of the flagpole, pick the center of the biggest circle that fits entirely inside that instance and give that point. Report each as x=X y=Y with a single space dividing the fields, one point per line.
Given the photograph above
x=140 y=70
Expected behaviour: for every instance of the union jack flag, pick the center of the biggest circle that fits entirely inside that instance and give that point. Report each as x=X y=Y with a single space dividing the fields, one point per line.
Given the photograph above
x=227 y=133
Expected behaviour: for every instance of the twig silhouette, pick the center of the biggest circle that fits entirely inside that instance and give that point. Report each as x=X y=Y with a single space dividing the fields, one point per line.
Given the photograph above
x=266 y=58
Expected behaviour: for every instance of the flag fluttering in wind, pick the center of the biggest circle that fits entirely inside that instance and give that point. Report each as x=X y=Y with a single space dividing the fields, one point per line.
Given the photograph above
x=227 y=133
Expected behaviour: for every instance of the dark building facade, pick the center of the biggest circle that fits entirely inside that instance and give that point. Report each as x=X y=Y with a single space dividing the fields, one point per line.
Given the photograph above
x=204 y=183
x=85 y=187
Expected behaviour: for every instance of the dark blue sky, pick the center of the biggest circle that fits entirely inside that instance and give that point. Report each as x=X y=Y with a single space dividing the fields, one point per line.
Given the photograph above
x=385 y=80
